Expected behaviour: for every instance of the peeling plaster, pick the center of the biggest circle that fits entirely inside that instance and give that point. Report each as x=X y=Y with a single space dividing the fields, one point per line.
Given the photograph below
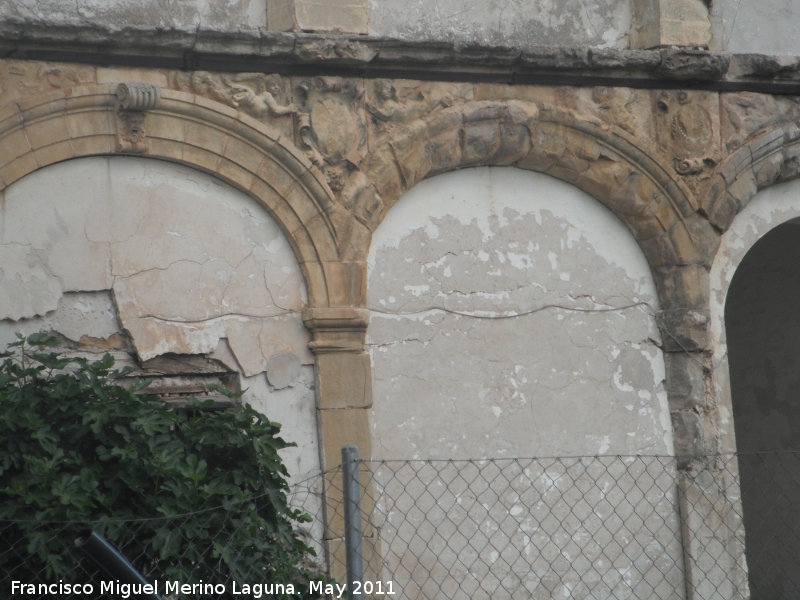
x=184 y=254
x=179 y=261
x=295 y=409
x=77 y=314
x=493 y=242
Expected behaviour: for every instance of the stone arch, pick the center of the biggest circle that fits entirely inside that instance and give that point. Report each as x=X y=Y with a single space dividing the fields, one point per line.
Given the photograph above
x=605 y=161
x=771 y=156
x=754 y=336
x=608 y=163
x=184 y=128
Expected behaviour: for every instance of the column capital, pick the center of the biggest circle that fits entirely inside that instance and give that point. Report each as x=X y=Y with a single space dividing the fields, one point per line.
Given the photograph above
x=336 y=330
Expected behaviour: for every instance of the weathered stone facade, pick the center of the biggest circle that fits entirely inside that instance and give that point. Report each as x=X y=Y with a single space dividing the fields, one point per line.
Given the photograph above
x=285 y=260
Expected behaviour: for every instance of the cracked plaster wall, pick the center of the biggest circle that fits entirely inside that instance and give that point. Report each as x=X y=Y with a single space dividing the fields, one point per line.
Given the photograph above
x=765 y=27
x=603 y=23
x=575 y=380
x=181 y=262
x=178 y=14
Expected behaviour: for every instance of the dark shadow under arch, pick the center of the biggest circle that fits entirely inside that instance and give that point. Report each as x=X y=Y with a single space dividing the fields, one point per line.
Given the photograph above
x=762 y=324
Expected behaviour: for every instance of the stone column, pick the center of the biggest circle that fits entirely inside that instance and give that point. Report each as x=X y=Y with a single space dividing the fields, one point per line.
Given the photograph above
x=344 y=395
x=709 y=496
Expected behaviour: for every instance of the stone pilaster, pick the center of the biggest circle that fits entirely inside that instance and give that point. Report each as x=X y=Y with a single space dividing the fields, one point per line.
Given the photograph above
x=658 y=23
x=340 y=16
x=344 y=395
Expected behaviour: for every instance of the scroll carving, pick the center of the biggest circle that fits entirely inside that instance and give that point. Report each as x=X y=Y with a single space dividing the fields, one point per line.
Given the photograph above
x=134 y=100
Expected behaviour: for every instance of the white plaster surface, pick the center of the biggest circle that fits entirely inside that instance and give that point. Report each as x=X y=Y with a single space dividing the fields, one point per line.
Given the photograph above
x=764 y=27
x=180 y=261
x=601 y=23
x=561 y=381
x=180 y=14
x=558 y=382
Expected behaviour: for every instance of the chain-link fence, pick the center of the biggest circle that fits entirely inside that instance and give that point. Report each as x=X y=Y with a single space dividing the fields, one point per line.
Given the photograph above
x=586 y=527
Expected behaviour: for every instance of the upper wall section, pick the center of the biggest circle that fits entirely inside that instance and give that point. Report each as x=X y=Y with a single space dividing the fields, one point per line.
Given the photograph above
x=738 y=27
x=766 y=27
x=600 y=23
x=186 y=14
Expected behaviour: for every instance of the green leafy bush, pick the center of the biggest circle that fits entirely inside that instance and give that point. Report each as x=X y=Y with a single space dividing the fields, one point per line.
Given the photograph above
x=187 y=495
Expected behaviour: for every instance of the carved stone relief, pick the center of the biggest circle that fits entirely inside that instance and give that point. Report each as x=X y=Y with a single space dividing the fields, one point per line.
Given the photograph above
x=19 y=79
x=257 y=95
x=687 y=131
x=745 y=113
x=391 y=103
x=263 y=97
x=330 y=126
x=134 y=100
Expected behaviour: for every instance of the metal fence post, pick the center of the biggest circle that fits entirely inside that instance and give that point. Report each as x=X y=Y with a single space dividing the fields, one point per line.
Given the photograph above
x=352 y=521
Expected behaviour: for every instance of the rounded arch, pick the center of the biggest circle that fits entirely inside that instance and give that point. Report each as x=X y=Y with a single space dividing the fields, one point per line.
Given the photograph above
x=638 y=187
x=771 y=156
x=770 y=209
x=755 y=329
x=188 y=129
x=604 y=161
x=744 y=203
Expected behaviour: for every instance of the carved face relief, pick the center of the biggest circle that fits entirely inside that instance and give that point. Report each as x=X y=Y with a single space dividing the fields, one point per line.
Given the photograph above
x=131 y=136
x=336 y=178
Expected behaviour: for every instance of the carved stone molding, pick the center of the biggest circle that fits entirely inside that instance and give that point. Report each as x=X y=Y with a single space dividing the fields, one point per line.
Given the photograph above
x=770 y=157
x=331 y=127
x=336 y=330
x=607 y=162
x=134 y=100
x=82 y=121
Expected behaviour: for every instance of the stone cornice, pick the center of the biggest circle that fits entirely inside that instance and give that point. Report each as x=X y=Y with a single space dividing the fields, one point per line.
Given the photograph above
x=368 y=56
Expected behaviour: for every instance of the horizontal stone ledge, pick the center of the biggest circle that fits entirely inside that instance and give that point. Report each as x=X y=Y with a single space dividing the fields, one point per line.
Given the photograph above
x=371 y=56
